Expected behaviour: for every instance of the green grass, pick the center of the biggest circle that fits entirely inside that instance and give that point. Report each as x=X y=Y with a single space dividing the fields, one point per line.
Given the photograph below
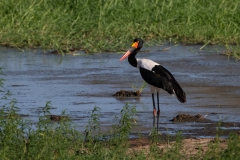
x=47 y=141
x=137 y=87
x=111 y=24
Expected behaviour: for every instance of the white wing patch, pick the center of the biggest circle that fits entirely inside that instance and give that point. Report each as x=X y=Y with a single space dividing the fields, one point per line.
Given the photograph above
x=146 y=63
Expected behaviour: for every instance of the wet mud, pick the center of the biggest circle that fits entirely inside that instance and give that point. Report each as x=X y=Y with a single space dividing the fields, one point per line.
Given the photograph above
x=189 y=118
x=77 y=83
x=58 y=118
x=124 y=93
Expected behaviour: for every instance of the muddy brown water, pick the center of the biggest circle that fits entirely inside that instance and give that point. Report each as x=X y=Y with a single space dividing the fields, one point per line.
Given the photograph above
x=77 y=83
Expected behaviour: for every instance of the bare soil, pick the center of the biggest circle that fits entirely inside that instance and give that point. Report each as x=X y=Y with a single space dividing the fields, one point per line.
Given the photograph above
x=190 y=146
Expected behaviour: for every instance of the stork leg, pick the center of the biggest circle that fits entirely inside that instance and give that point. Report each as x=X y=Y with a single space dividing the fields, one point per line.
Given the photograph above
x=158 y=112
x=154 y=110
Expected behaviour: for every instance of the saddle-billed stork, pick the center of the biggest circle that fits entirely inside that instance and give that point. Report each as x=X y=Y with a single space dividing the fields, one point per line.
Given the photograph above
x=155 y=75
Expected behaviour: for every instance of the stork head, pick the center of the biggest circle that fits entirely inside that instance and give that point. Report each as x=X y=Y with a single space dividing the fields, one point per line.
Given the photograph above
x=135 y=47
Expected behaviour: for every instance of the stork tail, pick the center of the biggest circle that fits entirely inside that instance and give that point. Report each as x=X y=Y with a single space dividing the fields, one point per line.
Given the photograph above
x=181 y=96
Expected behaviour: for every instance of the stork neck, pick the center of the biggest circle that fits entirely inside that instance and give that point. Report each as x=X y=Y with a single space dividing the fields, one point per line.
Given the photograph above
x=132 y=59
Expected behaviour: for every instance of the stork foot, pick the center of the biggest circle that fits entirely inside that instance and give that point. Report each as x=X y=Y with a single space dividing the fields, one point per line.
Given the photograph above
x=155 y=112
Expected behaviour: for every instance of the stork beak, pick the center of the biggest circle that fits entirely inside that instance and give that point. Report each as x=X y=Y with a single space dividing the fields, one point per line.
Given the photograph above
x=127 y=53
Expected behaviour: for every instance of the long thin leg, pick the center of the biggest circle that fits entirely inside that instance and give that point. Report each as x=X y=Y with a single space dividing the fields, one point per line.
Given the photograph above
x=158 y=112
x=154 y=108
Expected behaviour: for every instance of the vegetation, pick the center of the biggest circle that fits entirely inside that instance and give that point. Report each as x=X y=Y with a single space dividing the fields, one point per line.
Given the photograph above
x=110 y=24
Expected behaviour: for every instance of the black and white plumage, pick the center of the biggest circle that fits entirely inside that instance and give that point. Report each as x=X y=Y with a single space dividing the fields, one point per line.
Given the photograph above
x=154 y=74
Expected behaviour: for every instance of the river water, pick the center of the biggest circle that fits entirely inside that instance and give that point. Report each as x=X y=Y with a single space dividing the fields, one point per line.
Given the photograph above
x=78 y=82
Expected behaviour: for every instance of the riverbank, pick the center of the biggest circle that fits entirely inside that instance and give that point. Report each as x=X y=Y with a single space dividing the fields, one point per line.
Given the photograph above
x=110 y=25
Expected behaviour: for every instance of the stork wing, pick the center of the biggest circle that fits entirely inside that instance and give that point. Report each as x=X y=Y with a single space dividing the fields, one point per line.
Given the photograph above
x=162 y=78
x=158 y=77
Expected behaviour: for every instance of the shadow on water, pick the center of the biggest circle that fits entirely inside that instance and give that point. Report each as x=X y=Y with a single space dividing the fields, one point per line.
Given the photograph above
x=78 y=83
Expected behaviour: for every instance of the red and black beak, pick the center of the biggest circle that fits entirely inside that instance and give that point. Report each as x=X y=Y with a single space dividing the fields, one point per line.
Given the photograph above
x=134 y=46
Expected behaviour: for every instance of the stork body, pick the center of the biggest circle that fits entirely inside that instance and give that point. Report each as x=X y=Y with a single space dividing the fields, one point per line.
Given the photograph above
x=155 y=75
